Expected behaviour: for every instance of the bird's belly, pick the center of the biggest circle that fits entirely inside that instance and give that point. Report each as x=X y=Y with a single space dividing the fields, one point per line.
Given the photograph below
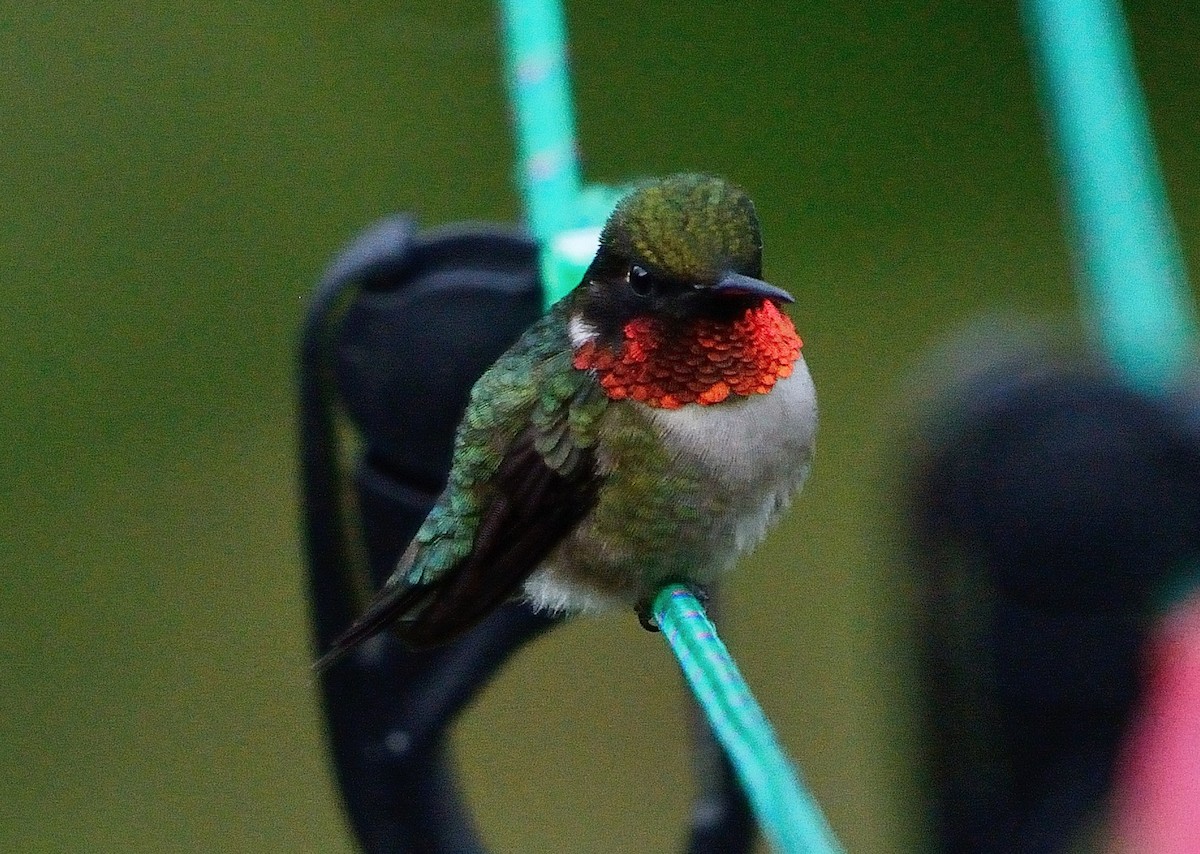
x=689 y=490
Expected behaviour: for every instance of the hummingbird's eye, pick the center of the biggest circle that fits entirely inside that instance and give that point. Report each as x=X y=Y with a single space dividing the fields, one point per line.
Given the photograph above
x=639 y=281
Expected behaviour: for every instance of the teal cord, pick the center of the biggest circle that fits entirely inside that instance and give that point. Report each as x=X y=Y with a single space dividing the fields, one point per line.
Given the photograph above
x=539 y=87
x=1135 y=287
x=564 y=216
x=789 y=816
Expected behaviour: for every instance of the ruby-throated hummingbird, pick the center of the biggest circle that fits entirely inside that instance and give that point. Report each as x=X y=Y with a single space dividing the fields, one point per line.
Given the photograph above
x=649 y=428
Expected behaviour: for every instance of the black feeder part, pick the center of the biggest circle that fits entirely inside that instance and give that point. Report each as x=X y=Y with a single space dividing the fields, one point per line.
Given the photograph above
x=397 y=332
x=1052 y=505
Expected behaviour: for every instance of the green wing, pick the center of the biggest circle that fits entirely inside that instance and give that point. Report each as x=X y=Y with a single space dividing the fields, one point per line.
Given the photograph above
x=523 y=476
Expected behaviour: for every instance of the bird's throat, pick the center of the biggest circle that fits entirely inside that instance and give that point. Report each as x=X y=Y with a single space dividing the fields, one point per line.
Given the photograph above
x=704 y=361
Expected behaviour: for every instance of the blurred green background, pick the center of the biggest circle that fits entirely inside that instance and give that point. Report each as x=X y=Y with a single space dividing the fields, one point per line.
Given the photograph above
x=174 y=180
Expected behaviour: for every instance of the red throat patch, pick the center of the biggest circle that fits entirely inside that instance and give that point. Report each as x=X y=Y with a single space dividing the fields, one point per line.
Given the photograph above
x=706 y=364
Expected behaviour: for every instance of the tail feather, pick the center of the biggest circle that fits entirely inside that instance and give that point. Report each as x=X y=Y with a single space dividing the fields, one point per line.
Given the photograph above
x=531 y=507
x=386 y=609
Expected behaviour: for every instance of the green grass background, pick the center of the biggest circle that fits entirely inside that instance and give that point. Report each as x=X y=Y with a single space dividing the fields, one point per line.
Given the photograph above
x=172 y=181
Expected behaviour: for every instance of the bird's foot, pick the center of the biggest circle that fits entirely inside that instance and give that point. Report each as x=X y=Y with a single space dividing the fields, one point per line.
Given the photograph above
x=645 y=614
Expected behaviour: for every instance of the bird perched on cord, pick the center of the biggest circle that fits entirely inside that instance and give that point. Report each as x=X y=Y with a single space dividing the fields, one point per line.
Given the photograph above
x=649 y=428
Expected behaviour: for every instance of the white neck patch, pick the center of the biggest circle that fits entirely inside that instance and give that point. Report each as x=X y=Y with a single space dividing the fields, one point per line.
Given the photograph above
x=580 y=331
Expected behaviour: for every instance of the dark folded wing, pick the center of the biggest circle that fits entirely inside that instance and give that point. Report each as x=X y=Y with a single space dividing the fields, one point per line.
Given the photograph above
x=530 y=508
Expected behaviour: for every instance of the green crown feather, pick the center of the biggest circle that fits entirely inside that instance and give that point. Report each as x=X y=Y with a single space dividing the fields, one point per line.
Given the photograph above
x=687 y=226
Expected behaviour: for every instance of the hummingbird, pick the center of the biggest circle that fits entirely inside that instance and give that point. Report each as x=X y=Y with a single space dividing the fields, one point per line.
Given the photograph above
x=649 y=428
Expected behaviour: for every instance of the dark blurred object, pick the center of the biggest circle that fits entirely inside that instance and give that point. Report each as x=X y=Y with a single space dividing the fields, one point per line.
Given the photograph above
x=1052 y=506
x=398 y=331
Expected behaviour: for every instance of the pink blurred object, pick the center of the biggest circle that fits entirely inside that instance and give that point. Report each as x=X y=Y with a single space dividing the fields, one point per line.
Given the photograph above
x=1157 y=801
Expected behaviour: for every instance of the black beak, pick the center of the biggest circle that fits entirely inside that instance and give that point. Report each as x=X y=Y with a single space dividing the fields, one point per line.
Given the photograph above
x=735 y=284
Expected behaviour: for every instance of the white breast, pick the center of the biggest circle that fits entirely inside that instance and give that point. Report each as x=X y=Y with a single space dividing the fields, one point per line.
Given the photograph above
x=758 y=449
x=751 y=438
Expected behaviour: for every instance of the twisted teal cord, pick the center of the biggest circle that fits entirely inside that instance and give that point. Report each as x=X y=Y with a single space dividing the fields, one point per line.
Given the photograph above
x=539 y=89
x=788 y=815
x=1134 y=287
x=565 y=216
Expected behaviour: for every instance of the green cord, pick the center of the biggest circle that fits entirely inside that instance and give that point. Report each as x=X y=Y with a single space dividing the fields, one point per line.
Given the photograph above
x=1135 y=288
x=564 y=216
x=789 y=816
x=539 y=87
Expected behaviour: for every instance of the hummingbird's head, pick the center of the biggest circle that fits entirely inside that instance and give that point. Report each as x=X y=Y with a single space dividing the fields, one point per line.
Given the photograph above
x=677 y=269
x=675 y=248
